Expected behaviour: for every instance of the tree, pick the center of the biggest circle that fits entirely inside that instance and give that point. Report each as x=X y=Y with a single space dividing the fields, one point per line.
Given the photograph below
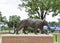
x=2 y=18
x=4 y=21
x=58 y=22
x=13 y=21
x=40 y=8
x=53 y=23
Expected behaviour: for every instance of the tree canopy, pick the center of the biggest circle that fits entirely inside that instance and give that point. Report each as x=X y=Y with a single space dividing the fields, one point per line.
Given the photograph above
x=59 y=22
x=2 y=18
x=14 y=21
x=40 y=8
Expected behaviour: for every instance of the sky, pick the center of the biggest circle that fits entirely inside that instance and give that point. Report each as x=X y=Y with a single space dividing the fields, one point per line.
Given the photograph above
x=10 y=7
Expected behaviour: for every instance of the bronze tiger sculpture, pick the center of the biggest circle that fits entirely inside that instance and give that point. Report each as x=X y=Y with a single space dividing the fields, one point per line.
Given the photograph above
x=34 y=23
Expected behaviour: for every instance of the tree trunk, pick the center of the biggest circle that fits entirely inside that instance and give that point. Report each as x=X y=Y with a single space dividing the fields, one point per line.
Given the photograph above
x=38 y=14
x=42 y=14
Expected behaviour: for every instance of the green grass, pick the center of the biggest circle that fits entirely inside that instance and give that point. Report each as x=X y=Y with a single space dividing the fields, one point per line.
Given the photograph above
x=58 y=37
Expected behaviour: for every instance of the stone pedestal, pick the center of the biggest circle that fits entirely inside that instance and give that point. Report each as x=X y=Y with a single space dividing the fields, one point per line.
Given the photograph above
x=27 y=39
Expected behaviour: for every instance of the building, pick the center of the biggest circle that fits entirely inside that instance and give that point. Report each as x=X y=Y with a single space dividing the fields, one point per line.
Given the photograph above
x=56 y=28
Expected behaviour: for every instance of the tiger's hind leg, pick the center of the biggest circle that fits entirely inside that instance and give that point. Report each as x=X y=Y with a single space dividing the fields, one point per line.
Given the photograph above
x=25 y=30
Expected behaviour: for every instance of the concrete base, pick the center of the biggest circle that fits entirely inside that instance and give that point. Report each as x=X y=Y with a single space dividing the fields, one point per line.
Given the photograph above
x=27 y=39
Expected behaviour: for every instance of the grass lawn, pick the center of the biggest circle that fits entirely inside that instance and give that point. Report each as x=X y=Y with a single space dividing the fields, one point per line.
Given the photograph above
x=58 y=37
